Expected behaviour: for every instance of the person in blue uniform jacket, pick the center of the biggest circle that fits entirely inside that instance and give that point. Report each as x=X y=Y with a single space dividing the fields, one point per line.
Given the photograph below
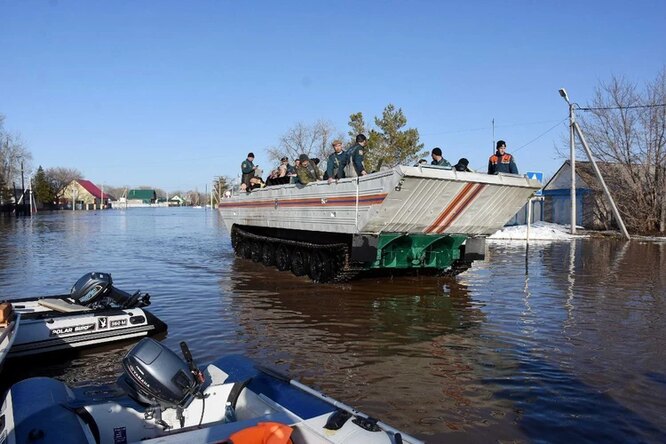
x=356 y=155
x=501 y=161
x=337 y=161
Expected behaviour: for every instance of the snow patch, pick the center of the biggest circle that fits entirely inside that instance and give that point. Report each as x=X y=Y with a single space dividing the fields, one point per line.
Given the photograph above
x=538 y=231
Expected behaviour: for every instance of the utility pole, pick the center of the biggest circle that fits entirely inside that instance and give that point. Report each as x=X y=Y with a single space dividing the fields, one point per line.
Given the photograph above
x=573 y=130
x=572 y=159
x=616 y=212
x=22 y=183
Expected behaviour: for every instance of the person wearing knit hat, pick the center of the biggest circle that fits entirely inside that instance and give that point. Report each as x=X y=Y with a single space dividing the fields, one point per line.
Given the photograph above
x=462 y=165
x=437 y=158
x=248 y=169
x=307 y=171
x=501 y=161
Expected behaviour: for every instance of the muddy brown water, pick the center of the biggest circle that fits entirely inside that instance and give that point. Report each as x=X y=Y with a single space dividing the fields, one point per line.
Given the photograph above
x=563 y=342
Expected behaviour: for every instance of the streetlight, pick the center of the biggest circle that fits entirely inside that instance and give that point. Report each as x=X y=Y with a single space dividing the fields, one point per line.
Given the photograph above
x=574 y=129
x=563 y=93
x=572 y=161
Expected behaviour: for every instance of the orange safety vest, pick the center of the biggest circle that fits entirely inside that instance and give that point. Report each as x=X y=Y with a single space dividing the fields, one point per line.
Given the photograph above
x=262 y=433
x=506 y=158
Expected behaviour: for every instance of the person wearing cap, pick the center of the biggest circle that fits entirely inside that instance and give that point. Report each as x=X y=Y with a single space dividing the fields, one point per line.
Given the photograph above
x=336 y=163
x=291 y=170
x=248 y=168
x=462 y=165
x=501 y=161
x=307 y=171
x=355 y=156
x=437 y=158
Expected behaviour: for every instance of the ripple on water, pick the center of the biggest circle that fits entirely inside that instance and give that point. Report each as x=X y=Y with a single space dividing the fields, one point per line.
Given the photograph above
x=562 y=342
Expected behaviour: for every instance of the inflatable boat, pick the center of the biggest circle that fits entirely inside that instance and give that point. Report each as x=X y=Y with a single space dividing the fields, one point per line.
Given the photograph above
x=9 y=322
x=163 y=398
x=95 y=312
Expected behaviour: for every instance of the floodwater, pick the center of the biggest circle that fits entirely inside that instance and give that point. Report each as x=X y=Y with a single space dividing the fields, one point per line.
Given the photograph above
x=560 y=343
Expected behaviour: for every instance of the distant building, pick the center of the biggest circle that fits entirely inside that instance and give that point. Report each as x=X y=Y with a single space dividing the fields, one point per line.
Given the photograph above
x=142 y=196
x=176 y=201
x=85 y=195
x=593 y=210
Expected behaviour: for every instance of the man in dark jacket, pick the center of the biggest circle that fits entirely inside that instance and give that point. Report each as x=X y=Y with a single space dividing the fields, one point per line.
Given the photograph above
x=248 y=168
x=337 y=161
x=356 y=155
x=462 y=165
x=501 y=161
x=307 y=171
x=438 y=159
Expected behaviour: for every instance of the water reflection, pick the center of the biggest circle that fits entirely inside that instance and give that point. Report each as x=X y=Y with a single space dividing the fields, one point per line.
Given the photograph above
x=563 y=337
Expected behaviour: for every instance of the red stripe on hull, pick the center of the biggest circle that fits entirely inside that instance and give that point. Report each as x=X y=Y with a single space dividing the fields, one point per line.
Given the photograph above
x=463 y=206
x=374 y=199
x=450 y=207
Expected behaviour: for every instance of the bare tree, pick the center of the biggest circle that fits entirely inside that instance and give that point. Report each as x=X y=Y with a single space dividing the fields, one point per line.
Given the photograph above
x=12 y=153
x=115 y=192
x=314 y=140
x=626 y=128
x=60 y=177
x=195 y=198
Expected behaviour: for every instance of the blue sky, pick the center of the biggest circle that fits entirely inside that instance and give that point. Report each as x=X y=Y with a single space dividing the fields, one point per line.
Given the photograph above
x=173 y=93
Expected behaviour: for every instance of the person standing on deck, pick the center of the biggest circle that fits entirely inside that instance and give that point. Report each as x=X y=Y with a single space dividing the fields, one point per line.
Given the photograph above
x=307 y=171
x=337 y=161
x=438 y=159
x=501 y=161
x=248 y=168
x=355 y=156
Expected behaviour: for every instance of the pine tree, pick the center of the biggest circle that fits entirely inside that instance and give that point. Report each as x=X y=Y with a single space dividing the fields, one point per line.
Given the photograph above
x=42 y=188
x=390 y=144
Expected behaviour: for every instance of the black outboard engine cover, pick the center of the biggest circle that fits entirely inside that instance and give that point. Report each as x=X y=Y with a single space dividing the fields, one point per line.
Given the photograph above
x=156 y=376
x=96 y=290
x=91 y=287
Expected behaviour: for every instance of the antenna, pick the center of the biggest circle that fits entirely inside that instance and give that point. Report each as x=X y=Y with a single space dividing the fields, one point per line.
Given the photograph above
x=493 y=146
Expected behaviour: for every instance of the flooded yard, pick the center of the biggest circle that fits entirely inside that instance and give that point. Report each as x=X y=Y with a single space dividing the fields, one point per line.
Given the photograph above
x=561 y=342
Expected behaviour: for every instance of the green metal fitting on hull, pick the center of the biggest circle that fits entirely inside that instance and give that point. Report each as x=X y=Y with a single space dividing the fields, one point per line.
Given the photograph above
x=401 y=251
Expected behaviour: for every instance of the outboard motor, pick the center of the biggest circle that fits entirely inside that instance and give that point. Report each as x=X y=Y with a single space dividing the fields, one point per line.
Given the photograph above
x=91 y=288
x=96 y=290
x=157 y=377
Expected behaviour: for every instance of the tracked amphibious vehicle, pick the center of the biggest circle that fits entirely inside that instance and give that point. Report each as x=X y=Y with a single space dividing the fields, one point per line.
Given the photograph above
x=425 y=218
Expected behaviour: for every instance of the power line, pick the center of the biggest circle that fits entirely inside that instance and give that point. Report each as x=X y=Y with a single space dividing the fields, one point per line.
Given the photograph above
x=484 y=128
x=599 y=108
x=542 y=134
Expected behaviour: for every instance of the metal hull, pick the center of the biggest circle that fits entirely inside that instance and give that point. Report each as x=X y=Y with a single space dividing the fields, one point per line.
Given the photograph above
x=408 y=200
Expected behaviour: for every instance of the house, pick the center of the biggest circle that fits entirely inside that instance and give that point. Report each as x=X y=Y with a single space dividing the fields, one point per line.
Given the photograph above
x=593 y=210
x=86 y=195
x=176 y=201
x=142 y=196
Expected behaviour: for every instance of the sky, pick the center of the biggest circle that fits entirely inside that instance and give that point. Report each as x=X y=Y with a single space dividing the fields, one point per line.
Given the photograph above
x=171 y=94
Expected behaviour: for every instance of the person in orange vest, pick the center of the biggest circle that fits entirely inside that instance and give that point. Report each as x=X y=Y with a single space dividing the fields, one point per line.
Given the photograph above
x=501 y=161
